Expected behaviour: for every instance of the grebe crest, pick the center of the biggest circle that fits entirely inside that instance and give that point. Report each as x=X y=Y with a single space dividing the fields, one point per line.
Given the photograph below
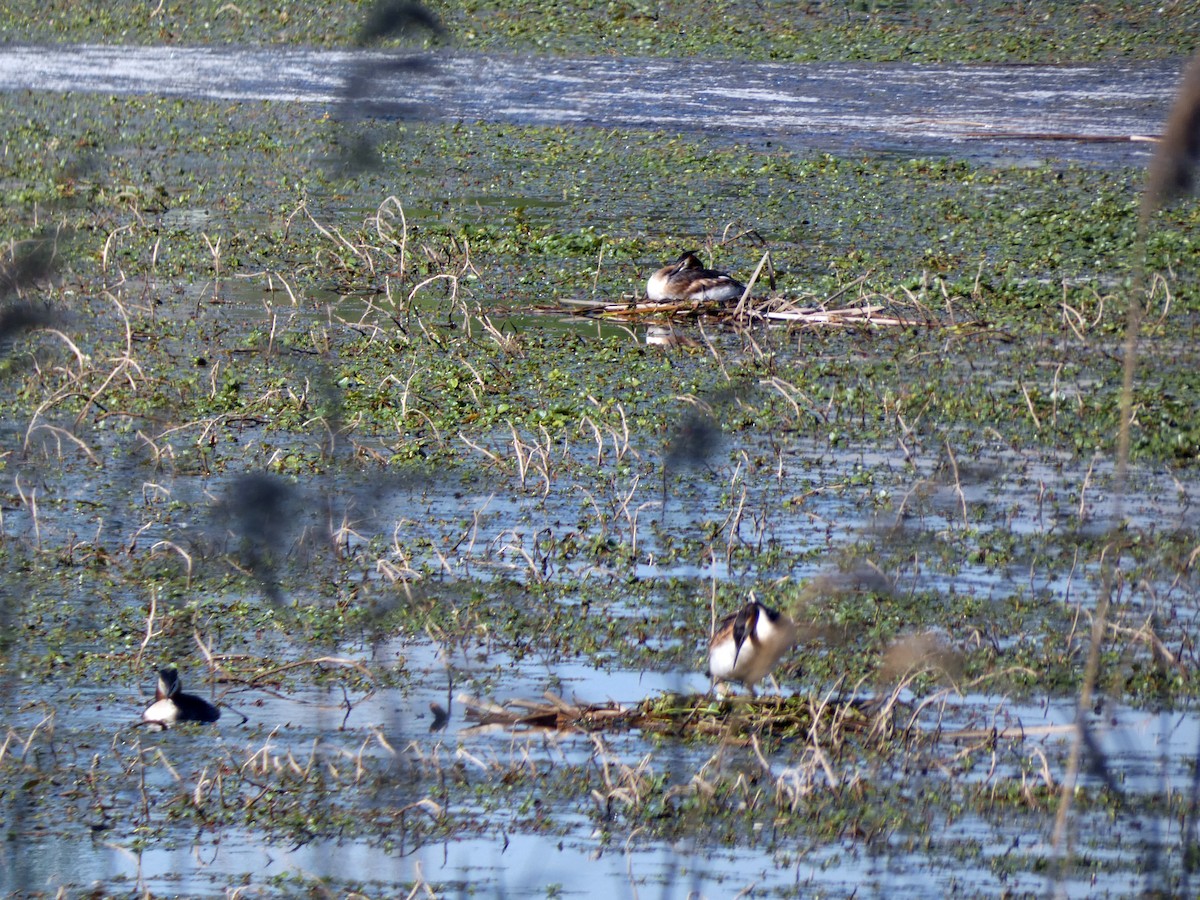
x=748 y=644
x=687 y=279
x=172 y=705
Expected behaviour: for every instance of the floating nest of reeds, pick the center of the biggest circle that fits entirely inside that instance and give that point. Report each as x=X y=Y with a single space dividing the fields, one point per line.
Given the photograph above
x=735 y=718
x=779 y=309
x=869 y=310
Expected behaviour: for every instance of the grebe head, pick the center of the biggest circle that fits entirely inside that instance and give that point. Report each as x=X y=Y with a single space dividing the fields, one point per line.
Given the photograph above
x=168 y=683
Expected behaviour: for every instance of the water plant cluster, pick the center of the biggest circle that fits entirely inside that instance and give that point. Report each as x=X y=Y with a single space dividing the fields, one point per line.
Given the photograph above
x=331 y=439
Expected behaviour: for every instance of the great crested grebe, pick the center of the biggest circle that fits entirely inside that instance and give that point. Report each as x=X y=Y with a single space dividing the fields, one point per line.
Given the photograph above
x=171 y=705
x=687 y=279
x=749 y=643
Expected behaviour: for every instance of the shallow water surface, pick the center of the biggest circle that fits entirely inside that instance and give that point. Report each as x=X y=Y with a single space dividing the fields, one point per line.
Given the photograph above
x=565 y=560
x=1003 y=113
x=506 y=858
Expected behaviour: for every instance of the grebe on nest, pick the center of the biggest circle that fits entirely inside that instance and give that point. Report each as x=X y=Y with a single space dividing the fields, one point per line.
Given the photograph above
x=687 y=279
x=749 y=643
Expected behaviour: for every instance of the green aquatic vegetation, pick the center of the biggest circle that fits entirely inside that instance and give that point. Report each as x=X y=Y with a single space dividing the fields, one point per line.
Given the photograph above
x=1016 y=217
x=228 y=305
x=918 y=32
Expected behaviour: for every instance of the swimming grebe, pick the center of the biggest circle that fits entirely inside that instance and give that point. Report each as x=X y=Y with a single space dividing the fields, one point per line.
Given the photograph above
x=687 y=279
x=748 y=644
x=171 y=705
